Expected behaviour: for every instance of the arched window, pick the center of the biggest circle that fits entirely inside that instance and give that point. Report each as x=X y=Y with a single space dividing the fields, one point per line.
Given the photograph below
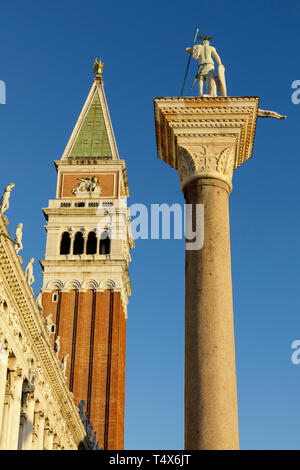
x=78 y=244
x=104 y=244
x=91 y=247
x=65 y=244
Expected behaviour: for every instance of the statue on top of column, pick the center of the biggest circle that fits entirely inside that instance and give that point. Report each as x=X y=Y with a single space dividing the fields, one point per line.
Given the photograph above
x=205 y=53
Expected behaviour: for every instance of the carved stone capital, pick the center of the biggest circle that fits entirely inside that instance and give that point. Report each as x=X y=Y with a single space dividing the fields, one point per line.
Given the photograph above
x=206 y=161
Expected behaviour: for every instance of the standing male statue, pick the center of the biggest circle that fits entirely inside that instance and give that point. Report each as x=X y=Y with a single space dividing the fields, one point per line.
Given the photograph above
x=29 y=272
x=57 y=346
x=206 y=69
x=5 y=198
x=63 y=364
x=19 y=235
x=38 y=301
x=49 y=325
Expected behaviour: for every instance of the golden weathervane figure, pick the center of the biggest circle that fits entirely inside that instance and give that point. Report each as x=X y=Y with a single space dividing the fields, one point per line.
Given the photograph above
x=98 y=66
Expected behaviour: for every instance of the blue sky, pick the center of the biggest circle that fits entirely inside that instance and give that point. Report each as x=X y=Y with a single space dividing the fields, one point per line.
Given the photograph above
x=47 y=52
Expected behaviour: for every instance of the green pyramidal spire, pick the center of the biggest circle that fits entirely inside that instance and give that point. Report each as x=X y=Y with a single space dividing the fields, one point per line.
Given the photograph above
x=93 y=136
x=92 y=140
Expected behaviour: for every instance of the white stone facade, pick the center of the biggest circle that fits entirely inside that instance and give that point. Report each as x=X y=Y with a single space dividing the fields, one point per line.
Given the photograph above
x=37 y=411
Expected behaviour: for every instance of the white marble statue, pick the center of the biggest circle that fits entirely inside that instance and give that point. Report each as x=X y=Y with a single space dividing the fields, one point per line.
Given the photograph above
x=38 y=301
x=206 y=69
x=63 y=365
x=29 y=272
x=5 y=198
x=19 y=236
x=57 y=346
x=50 y=327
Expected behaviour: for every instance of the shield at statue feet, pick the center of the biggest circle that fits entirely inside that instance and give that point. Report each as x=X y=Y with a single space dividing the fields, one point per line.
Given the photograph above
x=220 y=81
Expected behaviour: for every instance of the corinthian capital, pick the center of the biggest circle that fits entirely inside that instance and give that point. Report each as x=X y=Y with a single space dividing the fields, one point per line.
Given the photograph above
x=206 y=161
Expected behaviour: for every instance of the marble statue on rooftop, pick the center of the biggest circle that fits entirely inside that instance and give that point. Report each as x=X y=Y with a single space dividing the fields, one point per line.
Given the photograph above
x=206 y=70
x=57 y=346
x=63 y=365
x=29 y=272
x=5 y=198
x=38 y=301
x=50 y=326
x=19 y=235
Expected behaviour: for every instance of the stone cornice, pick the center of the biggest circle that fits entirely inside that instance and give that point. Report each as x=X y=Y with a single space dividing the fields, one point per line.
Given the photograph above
x=94 y=260
x=58 y=272
x=194 y=122
x=90 y=162
x=79 y=211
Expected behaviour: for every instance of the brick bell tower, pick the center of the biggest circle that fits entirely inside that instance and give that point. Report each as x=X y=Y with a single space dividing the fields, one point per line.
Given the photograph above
x=86 y=282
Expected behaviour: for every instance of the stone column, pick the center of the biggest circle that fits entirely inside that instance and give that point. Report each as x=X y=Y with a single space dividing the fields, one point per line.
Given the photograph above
x=98 y=243
x=38 y=432
x=85 y=238
x=21 y=430
x=205 y=139
x=72 y=236
x=6 y=421
x=56 y=443
x=211 y=422
x=15 y=409
x=3 y=378
x=48 y=437
x=28 y=425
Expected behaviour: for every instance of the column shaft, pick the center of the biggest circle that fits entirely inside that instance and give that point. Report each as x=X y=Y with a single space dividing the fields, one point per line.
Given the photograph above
x=3 y=378
x=211 y=419
x=48 y=438
x=5 y=433
x=39 y=424
x=28 y=426
x=15 y=411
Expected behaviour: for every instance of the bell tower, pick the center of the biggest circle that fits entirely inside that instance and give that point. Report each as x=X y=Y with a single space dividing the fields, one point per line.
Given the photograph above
x=86 y=281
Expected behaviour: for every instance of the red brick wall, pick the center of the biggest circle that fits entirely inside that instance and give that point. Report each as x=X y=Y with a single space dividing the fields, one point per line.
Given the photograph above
x=106 y=373
x=82 y=348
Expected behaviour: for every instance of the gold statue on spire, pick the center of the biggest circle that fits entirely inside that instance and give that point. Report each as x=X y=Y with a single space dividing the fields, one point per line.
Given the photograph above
x=98 y=67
